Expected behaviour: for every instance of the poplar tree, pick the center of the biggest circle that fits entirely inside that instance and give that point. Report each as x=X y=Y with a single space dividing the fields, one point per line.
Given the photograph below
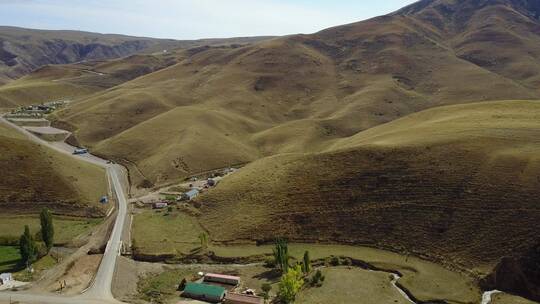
x=47 y=228
x=28 y=247
x=281 y=255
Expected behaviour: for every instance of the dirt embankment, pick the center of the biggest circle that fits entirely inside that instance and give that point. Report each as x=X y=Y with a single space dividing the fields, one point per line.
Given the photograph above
x=517 y=275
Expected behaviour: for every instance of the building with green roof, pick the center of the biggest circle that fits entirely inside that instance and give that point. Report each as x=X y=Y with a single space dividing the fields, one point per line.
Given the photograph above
x=204 y=292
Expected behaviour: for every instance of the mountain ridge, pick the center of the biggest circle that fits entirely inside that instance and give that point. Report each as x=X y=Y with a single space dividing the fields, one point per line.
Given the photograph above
x=23 y=50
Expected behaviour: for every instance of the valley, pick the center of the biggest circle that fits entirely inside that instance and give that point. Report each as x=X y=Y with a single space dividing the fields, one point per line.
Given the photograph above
x=391 y=160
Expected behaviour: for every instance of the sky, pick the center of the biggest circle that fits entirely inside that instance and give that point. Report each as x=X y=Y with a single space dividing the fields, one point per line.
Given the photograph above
x=192 y=19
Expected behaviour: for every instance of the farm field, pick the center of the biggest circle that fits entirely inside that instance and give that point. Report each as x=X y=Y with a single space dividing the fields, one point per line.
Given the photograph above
x=66 y=228
x=157 y=232
x=426 y=280
x=341 y=285
x=9 y=257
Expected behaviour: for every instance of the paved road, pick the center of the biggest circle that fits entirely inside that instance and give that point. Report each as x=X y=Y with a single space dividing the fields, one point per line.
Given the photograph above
x=100 y=290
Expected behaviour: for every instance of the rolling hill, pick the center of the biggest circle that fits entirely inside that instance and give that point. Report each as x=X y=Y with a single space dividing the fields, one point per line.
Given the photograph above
x=416 y=131
x=24 y=50
x=38 y=177
x=75 y=81
x=302 y=93
x=457 y=184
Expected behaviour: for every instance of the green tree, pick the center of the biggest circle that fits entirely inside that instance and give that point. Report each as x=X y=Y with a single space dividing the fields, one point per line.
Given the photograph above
x=290 y=284
x=28 y=247
x=203 y=237
x=281 y=255
x=266 y=287
x=47 y=228
x=306 y=263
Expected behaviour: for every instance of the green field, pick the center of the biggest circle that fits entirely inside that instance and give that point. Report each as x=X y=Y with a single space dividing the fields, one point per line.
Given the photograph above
x=66 y=229
x=157 y=232
x=9 y=257
x=343 y=285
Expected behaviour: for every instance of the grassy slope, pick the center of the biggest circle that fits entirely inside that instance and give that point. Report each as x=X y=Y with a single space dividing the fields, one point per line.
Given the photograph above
x=303 y=93
x=76 y=81
x=419 y=184
x=342 y=285
x=38 y=174
x=25 y=50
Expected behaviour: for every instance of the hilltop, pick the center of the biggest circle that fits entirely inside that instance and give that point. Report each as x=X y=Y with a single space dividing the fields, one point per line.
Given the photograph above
x=234 y=104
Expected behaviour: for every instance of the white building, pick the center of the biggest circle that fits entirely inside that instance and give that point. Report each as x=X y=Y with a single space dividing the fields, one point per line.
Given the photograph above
x=5 y=278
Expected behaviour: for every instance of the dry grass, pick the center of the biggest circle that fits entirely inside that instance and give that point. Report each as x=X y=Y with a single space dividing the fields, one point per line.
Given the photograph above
x=303 y=93
x=157 y=232
x=40 y=177
x=418 y=185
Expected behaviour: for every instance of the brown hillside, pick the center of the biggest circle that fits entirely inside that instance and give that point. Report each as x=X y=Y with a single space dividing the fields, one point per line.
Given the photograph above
x=302 y=93
x=76 y=81
x=37 y=177
x=457 y=183
x=24 y=50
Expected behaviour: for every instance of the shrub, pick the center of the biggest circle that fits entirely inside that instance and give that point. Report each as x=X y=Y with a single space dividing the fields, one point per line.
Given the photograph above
x=317 y=279
x=266 y=287
x=290 y=284
x=334 y=261
x=270 y=262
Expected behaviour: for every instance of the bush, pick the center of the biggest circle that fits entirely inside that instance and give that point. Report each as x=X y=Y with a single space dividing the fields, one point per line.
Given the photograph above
x=270 y=262
x=347 y=262
x=317 y=279
x=334 y=261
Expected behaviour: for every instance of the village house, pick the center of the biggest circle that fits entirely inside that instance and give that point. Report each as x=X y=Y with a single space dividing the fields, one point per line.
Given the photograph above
x=191 y=194
x=160 y=205
x=204 y=292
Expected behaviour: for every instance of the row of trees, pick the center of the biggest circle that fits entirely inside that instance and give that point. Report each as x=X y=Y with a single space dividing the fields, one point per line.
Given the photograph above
x=27 y=244
x=293 y=278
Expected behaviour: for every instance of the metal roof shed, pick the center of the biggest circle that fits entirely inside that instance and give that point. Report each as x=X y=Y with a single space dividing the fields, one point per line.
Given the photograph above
x=222 y=278
x=204 y=292
x=236 y=298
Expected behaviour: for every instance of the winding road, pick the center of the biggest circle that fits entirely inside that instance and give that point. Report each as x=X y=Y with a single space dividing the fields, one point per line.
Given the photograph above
x=100 y=289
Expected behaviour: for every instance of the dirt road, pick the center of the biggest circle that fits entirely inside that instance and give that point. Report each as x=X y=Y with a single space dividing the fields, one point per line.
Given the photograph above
x=100 y=290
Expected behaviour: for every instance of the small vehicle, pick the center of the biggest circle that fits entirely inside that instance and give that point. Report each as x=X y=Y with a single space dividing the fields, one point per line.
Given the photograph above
x=79 y=151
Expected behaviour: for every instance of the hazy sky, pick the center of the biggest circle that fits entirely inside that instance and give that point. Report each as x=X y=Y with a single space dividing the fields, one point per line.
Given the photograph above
x=190 y=19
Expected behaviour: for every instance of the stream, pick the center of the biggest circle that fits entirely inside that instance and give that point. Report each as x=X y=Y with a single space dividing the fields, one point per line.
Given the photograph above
x=486 y=296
